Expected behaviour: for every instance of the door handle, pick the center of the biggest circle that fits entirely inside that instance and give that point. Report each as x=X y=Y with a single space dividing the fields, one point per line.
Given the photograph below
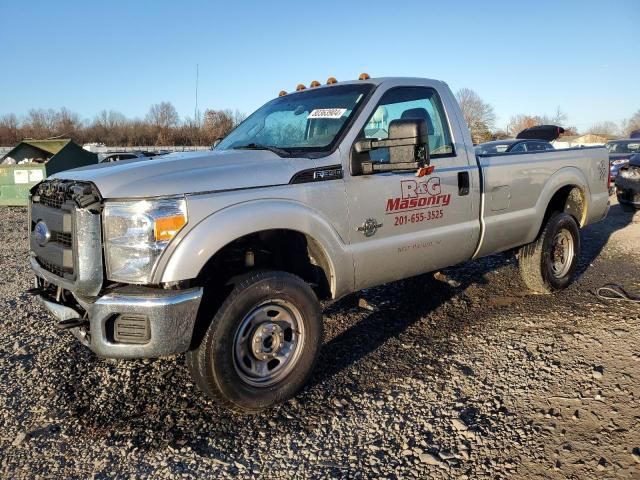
x=463 y=183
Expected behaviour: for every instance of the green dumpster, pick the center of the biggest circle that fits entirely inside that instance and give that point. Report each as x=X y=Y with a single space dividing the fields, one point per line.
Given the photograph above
x=31 y=161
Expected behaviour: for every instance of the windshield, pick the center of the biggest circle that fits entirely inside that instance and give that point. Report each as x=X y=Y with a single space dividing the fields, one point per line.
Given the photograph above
x=310 y=120
x=491 y=148
x=631 y=146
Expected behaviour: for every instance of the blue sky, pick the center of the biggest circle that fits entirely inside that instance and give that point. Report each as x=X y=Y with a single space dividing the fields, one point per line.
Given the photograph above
x=521 y=57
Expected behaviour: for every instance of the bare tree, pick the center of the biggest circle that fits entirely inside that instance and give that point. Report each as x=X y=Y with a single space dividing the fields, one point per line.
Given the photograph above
x=558 y=118
x=40 y=123
x=162 y=126
x=108 y=127
x=478 y=115
x=517 y=123
x=218 y=123
x=9 y=129
x=604 y=128
x=68 y=124
x=631 y=124
x=163 y=117
x=500 y=135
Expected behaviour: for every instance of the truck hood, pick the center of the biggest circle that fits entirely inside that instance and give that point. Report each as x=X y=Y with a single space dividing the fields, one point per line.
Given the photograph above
x=191 y=172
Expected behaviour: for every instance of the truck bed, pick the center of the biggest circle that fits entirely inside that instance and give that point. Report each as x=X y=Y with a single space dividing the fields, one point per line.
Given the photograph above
x=517 y=188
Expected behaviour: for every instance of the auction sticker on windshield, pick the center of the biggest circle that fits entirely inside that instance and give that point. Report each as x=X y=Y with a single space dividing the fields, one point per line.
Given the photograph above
x=327 y=113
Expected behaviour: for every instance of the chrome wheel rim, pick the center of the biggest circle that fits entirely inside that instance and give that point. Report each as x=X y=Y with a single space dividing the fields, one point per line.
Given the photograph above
x=562 y=253
x=268 y=343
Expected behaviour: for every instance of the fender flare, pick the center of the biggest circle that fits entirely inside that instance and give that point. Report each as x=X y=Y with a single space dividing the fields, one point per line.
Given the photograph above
x=564 y=177
x=205 y=239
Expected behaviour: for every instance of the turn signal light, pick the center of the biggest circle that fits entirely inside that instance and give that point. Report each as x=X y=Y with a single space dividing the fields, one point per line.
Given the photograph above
x=331 y=80
x=300 y=87
x=167 y=227
x=314 y=84
x=364 y=76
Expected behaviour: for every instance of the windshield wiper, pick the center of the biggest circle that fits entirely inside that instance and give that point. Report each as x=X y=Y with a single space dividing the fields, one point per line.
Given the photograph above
x=258 y=146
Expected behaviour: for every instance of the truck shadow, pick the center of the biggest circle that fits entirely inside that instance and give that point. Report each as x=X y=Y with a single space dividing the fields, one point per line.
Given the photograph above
x=398 y=307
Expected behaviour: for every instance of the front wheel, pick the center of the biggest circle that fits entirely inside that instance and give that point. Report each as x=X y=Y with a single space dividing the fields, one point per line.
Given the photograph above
x=261 y=345
x=548 y=264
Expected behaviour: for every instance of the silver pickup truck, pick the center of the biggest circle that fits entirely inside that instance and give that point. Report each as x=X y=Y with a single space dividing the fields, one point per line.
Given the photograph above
x=330 y=189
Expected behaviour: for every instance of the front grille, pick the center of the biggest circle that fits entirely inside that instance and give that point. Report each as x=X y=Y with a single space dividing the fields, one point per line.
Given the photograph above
x=53 y=202
x=55 y=193
x=55 y=269
x=63 y=239
x=70 y=212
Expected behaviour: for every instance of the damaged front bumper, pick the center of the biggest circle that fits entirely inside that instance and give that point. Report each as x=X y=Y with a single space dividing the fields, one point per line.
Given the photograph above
x=133 y=322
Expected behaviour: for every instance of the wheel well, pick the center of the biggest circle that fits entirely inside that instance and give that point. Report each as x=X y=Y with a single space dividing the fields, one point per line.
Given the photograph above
x=569 y=199
x=278 y=249
x=286 y=250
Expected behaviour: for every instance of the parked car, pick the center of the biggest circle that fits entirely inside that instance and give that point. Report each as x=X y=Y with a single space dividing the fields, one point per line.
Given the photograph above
x=512 y=146
x=620 y=152
x=226 y=253
x=117 y=156
x=628 y=184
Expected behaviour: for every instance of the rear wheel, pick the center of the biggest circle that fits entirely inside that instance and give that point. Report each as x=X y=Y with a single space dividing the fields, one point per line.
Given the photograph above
x=548 y=264
x=261 y=345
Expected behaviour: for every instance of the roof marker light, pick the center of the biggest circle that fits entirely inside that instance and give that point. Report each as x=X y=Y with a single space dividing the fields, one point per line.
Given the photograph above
x=314 y=84
x=331 y=80
x=364 y=76
x=300 y=87
x=282 y=93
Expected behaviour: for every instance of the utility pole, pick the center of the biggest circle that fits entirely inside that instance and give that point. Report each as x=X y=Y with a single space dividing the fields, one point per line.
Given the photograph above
x=196 y=114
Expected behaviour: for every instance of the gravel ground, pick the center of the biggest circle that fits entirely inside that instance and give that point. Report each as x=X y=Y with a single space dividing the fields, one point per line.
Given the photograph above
x=470 y=378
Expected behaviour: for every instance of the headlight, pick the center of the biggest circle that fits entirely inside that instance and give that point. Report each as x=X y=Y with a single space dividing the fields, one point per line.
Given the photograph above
x=136 y=233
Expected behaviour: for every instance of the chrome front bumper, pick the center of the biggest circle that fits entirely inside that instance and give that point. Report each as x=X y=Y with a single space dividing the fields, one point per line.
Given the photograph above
x=171 y=318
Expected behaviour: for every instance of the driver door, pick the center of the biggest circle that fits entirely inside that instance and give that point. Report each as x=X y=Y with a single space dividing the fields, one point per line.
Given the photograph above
x=402 y=225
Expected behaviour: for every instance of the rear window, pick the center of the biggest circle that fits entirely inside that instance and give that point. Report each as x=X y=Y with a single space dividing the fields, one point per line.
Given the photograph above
x=492 y=149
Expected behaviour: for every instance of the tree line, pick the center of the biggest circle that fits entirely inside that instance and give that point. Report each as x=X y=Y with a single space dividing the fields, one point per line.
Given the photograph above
x=161 y=126
x=481 y=119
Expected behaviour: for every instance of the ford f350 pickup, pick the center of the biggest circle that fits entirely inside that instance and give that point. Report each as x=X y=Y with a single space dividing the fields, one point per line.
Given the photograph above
x=224 y=255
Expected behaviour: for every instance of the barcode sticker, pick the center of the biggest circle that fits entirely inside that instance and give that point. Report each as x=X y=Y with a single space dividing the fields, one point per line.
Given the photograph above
x=20 y=176
x=35 y=176
x=327 y=113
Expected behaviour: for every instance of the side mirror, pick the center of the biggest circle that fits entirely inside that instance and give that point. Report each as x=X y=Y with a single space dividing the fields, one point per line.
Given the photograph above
x=408 y=145
x=216 y=142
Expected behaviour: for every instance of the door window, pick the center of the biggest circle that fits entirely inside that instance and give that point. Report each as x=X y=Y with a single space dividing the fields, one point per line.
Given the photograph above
x=536 y=147
x=415 y=103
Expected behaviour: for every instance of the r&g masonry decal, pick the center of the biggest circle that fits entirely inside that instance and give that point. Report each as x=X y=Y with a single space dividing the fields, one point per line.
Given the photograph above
x=419 y=201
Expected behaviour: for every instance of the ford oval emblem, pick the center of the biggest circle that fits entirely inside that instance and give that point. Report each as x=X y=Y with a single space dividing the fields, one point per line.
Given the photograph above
x=42 y=233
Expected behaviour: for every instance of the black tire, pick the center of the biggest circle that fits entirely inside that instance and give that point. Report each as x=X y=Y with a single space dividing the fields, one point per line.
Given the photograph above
x=627 y=208
x=214 y=365
x=536 y=258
